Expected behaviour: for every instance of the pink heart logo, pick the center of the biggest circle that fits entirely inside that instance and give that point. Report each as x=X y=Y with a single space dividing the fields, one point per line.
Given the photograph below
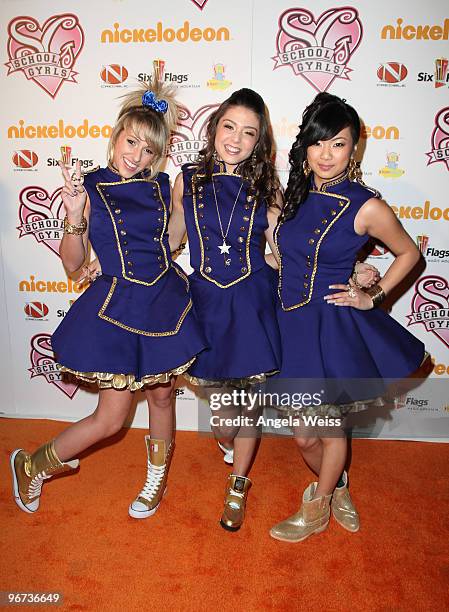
x=190 y=135
x=42 y=215
x=200 y=3
x=318 y=50
x=45 y=54
x=430 y=306
x=44 y=364
x=440 y=139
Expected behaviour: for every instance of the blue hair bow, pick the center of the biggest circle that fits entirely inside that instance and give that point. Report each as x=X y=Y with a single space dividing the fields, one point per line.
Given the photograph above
x=150 y=100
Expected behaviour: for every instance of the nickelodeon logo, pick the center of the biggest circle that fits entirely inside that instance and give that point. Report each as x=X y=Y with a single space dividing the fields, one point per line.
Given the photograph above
x=59 y=130
x=440 y=369
x=379 y=132
x=162 y=34
x=419 y=32
x=434 y=213
x=43 y=286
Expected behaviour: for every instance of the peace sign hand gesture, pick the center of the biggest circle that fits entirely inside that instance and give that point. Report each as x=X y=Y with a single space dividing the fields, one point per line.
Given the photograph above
x=73 y=194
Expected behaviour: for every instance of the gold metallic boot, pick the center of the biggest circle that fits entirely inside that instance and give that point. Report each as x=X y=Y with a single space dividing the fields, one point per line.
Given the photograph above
x=148 y=500
x=30 y=471
x=312 y=517
x=343 y=508
x=235 y=502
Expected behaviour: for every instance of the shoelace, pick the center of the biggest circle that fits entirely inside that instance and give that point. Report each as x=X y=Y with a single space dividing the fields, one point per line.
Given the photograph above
x=155 y=474
x=35 y=486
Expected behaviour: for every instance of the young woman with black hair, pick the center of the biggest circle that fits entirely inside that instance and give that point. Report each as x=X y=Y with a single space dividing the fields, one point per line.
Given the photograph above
x=331 y=329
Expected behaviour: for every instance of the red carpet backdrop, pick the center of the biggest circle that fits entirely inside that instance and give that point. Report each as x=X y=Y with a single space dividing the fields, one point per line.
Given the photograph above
x=65 y=66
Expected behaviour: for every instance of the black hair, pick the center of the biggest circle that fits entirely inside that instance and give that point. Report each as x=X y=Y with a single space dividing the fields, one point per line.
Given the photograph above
x=325 y=117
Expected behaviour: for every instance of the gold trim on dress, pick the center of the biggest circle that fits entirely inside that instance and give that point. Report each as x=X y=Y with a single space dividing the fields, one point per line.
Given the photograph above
x=317 y=249
x=119 y=248
x=141 y=331
x=240 y=383
x=105 y=380
x=248 y=238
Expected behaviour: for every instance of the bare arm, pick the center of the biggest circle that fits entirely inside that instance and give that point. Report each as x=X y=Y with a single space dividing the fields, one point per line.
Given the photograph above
x=73 y=248
x=273 y=213
x=177 y=224
x=377 y=219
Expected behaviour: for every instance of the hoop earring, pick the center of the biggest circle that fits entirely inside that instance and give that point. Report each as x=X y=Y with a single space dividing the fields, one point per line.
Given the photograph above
x=306 y=168
x=354 y=171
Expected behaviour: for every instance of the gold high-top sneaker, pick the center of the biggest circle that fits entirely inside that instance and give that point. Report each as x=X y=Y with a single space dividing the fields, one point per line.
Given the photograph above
x=30 y=471
x=159 y=459
x=343 y=509
x=236 y=492
x=312 y=517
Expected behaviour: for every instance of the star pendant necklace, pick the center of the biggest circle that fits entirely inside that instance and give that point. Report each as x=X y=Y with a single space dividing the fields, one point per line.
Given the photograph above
x=224 y=247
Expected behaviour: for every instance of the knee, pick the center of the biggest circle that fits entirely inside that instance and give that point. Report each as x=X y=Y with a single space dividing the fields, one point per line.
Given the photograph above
x=307 y=444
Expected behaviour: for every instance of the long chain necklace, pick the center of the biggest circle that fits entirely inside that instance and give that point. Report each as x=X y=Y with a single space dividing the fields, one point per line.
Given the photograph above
x=224 y=247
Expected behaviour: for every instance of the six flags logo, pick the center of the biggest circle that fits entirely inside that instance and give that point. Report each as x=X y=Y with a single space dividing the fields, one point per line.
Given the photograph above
x=440 y=139
x=190 y=135
x=45 y=54
x=318 y=50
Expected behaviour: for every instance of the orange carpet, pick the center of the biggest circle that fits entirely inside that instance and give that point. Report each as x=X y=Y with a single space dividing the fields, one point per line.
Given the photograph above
x=83 y=544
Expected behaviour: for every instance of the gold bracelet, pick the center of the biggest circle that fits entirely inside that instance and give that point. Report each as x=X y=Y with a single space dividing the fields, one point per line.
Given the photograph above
x=376 y=293
x=78 y=230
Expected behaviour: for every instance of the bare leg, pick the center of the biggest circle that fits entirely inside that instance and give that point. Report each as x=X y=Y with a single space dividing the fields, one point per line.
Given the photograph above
x=311 y=449
x=108 y=418
x=162 y=411
x=326 y=456
x=332 y=464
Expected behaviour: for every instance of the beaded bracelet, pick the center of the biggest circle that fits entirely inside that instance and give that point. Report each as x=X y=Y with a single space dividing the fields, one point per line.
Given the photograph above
x=78 y=230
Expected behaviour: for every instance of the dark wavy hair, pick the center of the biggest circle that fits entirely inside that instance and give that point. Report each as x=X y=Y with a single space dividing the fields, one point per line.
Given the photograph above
x=325 y=117
x=258 y=170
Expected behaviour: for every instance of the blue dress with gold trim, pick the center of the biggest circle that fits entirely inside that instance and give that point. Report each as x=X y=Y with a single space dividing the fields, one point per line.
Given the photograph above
x=135 y=324
x=232 y=292
x=318 y=248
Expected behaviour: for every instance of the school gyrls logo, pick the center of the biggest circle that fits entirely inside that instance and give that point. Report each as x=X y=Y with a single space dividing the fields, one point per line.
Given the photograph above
x=200 y=3
x=47 y=54
x=440 y=139
x=430 y=306
x=189 y=136
x=42 y=215
x=43 y=363
x=318 y=50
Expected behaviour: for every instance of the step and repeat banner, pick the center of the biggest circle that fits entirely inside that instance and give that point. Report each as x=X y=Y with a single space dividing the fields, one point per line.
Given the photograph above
x=65 y=66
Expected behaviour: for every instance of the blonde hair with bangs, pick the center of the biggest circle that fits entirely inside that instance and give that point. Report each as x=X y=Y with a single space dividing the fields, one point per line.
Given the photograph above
x=147 y=123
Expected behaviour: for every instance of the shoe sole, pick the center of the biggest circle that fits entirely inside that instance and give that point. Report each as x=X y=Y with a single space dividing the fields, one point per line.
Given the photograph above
x=281 y=539
x=145 y=513
x=228 y=528
x=15 y=484
x=347 y=528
